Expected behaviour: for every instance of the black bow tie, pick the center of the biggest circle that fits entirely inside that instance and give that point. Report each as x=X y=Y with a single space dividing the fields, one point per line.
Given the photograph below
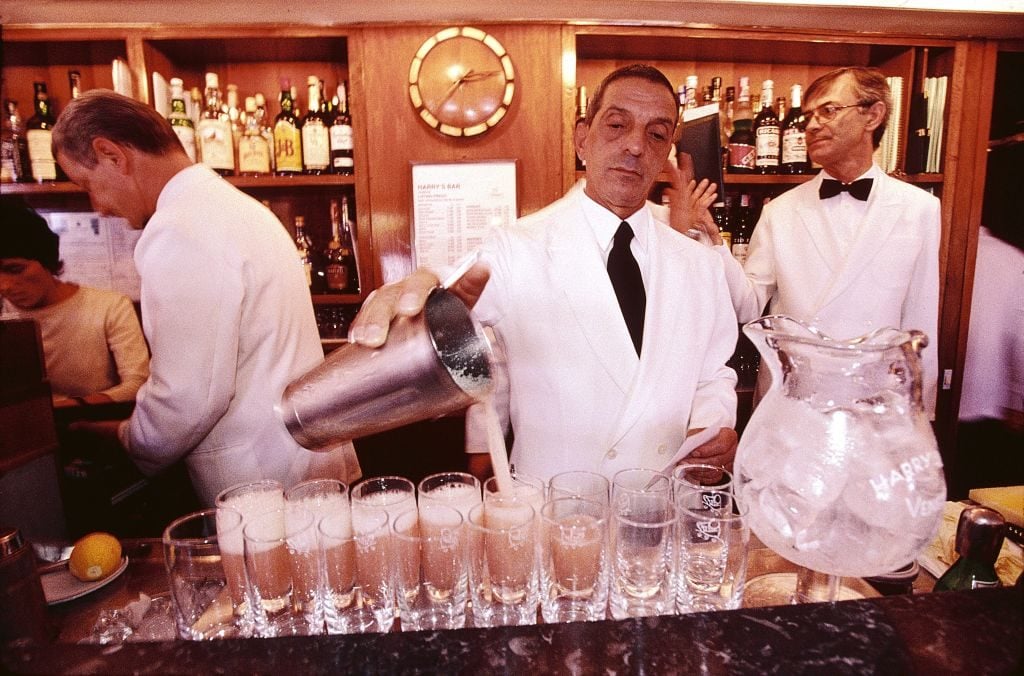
x=859 y=189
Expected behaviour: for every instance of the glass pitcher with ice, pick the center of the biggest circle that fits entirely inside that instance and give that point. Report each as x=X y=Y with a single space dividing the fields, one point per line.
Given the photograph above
x=838 y=465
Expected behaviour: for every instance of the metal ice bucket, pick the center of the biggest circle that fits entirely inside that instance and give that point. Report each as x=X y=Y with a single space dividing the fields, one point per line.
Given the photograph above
x=434 y=363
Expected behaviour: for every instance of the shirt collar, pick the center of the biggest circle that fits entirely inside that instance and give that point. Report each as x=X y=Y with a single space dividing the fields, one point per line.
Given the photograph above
x=874 y=171
x=604 y=223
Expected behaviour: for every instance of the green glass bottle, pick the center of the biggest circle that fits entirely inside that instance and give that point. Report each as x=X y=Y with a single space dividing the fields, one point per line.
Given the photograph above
x=979 y=535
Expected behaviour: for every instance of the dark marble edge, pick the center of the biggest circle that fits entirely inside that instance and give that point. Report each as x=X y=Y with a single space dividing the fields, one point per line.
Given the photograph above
x=977 y=632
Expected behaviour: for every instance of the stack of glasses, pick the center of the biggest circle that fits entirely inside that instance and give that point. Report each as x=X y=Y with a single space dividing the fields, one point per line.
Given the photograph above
x=320 y=558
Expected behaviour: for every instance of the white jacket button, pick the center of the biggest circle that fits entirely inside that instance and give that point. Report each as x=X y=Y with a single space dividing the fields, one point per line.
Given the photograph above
x=612 y=454
x=662 y=449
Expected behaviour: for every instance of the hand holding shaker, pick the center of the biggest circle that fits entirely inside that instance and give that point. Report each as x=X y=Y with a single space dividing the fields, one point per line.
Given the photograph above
x=434 y=363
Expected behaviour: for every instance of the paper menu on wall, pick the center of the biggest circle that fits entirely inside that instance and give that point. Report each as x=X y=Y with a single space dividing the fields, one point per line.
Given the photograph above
x=455 y=205
x=97 y=251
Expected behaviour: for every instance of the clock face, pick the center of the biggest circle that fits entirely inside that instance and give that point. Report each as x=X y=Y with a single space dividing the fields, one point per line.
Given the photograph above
x=461 y=81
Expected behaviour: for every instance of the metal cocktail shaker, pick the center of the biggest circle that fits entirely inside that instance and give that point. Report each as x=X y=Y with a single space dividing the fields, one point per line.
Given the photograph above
x=434 y=363
x=22 y=602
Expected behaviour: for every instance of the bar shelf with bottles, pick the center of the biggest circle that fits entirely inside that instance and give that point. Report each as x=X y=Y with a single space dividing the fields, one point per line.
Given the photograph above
x=785 y=58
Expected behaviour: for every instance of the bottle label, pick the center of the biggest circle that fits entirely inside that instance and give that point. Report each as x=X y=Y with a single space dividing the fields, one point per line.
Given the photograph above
x=253 y=155
x=337 y=276
x=794 y=147
x=40 y=155
x=316 y=150
x=341 y=137
x=307 y=269
x=216 y=144
x=187 y=136
x=767 y=140
x=287 y=147
x=741 y=155
x=739 y=252
x=983 y=584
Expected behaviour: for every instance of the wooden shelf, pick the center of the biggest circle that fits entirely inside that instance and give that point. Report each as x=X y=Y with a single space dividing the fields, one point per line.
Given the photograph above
x=337 y=299
x=265 y=182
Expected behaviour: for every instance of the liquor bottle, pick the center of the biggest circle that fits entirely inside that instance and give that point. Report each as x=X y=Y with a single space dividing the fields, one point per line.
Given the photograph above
x=979 y=536
x=741 y=220
x=767 y=133
x=38 y=133
x=691 y=91
x=216 y=144
x=253 y=149
x=725 y=128
x=338 y=258
x=181 y=123
x=15 y=165
x=75 y=83
x=720 y=214
x=316 y=145
x=263 y=121
x=741 y=141
x=716 y=90
x=348 y=249
x=581 y=116
x=793 y=158
x=235 y=118
x=342 y=142
x=304 y=247
x=287 y=139
x=195 y=106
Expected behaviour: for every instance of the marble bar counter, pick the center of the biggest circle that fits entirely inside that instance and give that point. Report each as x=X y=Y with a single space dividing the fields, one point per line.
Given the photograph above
x=978 y=632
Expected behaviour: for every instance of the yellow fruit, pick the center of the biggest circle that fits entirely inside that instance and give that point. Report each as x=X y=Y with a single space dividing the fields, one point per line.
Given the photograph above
x=95 y=556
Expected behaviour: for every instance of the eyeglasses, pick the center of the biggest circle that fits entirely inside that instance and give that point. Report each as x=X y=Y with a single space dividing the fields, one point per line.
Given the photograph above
x=828 y=112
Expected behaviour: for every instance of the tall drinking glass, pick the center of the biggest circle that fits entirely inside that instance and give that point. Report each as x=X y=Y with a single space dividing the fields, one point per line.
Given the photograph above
x=394 y=494
x=643 y=546
x=713 y=539
x=281 y=564
x=357 y=561
x=460 y=490
x=202 y=602
x=503 y=579
x=574 y=560
x=430 y=568
x=579 y=484
x=248 y=499
x=528 y=488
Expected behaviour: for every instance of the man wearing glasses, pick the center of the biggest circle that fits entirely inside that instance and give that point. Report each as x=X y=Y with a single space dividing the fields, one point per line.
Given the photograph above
x=853 y=249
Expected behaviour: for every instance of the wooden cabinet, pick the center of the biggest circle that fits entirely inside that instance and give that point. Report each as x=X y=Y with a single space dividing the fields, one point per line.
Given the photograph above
x=551 y=59
x=256 y=60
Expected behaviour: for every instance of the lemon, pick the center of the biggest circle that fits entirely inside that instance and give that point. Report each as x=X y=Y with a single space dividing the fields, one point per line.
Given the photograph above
x=95 y=556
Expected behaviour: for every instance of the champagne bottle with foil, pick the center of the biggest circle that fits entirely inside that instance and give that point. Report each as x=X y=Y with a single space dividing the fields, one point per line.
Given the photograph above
x=287 y=139
x=181 y=123
x=39 y=133
x=979 y=536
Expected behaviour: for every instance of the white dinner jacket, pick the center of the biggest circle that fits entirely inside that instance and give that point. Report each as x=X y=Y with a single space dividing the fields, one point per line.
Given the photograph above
x=580 y=398
x=889 y=275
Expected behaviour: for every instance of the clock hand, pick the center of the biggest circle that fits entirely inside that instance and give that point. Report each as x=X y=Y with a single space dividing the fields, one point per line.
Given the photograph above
x=455 y=86
x=473 y=76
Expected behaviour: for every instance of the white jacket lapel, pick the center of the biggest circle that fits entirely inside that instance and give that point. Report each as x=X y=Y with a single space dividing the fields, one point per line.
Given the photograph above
x=872 y=235
x=591 y=300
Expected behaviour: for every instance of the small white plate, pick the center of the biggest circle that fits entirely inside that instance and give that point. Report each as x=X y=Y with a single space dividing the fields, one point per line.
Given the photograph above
x=60 y=585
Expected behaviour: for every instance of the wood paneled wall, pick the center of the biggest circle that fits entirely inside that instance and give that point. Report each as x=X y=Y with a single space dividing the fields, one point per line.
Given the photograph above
x=532 y=132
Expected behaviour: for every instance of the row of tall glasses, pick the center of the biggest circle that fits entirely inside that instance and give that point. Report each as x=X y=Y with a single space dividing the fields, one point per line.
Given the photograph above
x=450 y=552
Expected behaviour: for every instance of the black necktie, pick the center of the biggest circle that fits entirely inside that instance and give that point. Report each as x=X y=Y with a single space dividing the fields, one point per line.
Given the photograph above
x=859 y=189
x=628 y=284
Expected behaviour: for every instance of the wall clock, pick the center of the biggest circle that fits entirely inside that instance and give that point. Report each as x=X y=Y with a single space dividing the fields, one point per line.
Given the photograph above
x=461 y=81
